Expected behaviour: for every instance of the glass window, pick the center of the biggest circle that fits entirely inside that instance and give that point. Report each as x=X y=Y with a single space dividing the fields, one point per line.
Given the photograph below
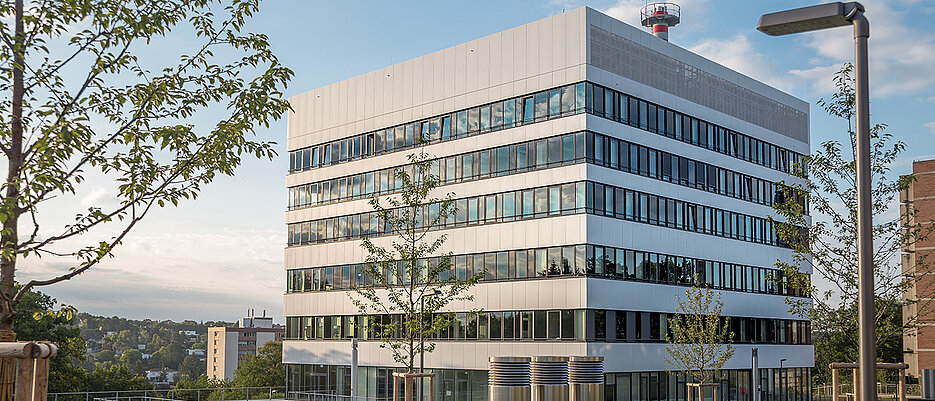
x=579 y=96
x=528 y=203
x=568 y=99
x=462 y=123
x=554 y=325
x=446 y=128
x=542 y=201
x=542 y=263
x=542 y=105
x=528 y=110
x=490 y=266
x=521 y=264
x=555 y=200
x=509 y=113
x=555 y=150
x=503 y=160
x=473 y=120
x=521 y=157
x=503 y=265
x=555 y=105
x=496 y=115
x=540 y=324
x=400 y=137
x=541 y=154
x=485 y=119
x=496 y=325
x=568 y=148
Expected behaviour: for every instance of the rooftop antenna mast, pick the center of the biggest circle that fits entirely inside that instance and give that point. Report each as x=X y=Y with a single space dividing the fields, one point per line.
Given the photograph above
x=659 y=17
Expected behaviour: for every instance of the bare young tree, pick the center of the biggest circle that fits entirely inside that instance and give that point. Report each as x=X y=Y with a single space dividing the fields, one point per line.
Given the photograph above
x=699 y=337
x=411 y=281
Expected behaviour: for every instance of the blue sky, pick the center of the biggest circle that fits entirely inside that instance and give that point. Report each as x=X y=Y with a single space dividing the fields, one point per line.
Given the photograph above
x=213 y=258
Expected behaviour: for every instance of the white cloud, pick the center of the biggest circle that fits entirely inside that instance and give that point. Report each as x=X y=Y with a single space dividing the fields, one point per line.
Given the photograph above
x=930 y=125
x=737 y=53
x=98 y=197
x=900 y=56
x=197 y=273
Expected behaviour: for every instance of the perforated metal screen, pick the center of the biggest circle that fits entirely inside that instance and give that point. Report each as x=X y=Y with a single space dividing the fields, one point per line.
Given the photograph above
x=628 y=59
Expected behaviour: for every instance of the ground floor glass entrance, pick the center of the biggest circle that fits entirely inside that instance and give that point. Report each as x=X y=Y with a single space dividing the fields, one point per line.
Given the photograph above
x=792 y=384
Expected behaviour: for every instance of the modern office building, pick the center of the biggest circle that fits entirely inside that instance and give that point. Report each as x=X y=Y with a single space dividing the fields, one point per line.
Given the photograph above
x=919 y=340
x=596 y=169
x=228 y=345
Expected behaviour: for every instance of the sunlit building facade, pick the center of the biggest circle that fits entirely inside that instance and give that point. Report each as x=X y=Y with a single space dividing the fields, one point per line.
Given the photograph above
x=596 y=168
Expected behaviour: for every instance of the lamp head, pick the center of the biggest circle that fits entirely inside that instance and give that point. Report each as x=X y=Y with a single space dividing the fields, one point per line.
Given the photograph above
x=812 y=18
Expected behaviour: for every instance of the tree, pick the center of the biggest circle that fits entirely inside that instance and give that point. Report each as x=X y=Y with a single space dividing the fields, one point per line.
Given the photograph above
x=115 y=378
x=132 y=359
x=80 y=103
x=699 y=338
x=828 y=247
x=403 y=276
x=265 y=369
x=192 y=366
x=37 y=320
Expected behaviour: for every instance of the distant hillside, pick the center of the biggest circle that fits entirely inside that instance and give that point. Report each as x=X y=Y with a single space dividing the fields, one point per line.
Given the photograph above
x=146 y=344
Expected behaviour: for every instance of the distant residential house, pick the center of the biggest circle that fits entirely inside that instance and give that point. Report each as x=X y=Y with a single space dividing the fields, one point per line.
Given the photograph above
x=166 y=376
x=147 y=356
x=199 y=352
x=140 y=346
x=190 y=333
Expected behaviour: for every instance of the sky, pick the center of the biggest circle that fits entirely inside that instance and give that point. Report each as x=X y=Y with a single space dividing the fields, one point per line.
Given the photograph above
x=217 y=256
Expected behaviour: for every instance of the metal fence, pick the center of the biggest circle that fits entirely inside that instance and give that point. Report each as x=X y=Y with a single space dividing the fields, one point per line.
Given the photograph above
x=197 y=394
x=323 y=396
x=884 y=391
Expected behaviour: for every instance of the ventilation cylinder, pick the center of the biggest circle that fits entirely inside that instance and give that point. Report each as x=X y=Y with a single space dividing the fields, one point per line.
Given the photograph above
x=508 y=378
x=586 y=378
x=549 y=377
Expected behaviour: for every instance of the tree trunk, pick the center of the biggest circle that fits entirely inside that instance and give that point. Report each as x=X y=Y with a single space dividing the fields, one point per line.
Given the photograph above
x=9 y=238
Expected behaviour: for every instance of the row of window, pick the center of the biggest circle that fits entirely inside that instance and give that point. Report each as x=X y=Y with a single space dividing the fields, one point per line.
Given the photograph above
x=625 y=204
x=637 y=159
x=787 y=384
x=571 y=198
x=541 y=106
x=567 y=324
x=504 y=160
x=617 y=106
x=563 y=261
x=495 y=116
x=550 y=152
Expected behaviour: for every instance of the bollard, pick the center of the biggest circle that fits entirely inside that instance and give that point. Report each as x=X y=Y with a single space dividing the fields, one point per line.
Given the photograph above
x=508 y=379
x=586 y=378
x=549 y=378
x=927 y=383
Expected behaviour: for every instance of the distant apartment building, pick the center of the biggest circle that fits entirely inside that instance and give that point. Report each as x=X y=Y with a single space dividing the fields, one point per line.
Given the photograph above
x=919 y=342
x=228 y=345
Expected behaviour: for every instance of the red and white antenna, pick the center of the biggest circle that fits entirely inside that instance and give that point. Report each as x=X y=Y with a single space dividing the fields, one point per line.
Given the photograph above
x=659 y=17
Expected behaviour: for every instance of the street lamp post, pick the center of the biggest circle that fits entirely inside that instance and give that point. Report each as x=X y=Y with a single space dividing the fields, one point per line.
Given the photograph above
x=435 y=292
x=829 y=16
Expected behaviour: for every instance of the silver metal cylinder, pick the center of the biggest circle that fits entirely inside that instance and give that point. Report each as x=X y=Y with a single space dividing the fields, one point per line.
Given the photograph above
x=586 y=378
x=508 y=378
x=549 y=378
x=927 y=383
